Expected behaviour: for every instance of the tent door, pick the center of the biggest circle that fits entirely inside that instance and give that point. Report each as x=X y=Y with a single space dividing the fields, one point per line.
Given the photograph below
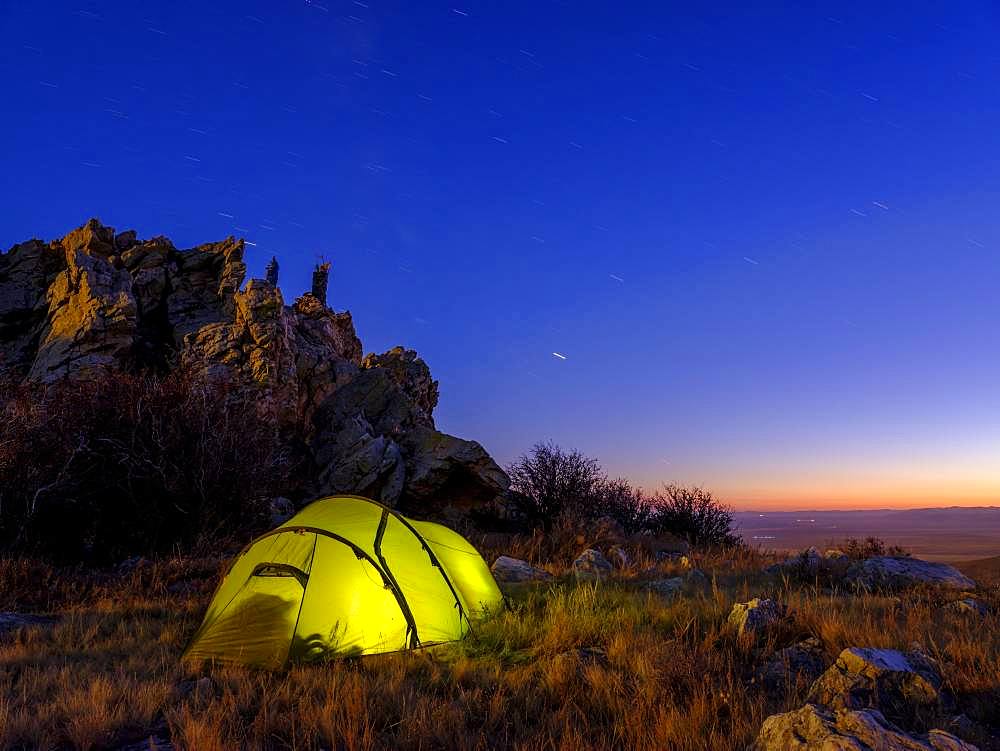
x=257 y=626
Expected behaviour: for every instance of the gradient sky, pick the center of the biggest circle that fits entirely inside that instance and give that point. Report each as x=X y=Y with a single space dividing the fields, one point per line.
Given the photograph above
x=767 y=241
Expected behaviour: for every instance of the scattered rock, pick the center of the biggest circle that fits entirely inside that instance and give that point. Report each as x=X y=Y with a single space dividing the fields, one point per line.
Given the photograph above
x=895 y=683
x=888 y=572
x=668 y=556
x=969 y=606
x=697 y=578
x=129 y=565
x=586 y=656
x=606 y=531
x=510 y=570
x=281 y=509
x=757 y=615
x=662 y=546
x=813 y=727
x=183 y=587
x=591 y=566
x=14 y=621
x=619 y=556
x=666 y=587
x=801 y=663
x=154 y=742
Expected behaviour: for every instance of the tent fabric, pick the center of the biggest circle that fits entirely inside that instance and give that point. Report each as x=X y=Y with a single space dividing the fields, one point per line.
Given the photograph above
x=346 y=576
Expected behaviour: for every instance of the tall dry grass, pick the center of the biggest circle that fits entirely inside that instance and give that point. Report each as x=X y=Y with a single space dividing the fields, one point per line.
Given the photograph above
x=568 y=666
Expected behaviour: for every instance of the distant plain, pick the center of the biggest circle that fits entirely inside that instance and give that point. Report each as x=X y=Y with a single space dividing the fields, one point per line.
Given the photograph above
x=941 y=534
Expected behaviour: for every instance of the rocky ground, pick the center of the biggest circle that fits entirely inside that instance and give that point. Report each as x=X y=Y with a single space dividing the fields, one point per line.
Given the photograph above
x=619 y=644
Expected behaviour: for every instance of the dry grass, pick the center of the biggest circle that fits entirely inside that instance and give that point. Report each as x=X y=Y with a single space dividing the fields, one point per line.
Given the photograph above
x=567 y=667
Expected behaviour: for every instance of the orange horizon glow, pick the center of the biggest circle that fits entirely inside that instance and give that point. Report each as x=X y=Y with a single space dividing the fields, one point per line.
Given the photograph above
x=810 y=492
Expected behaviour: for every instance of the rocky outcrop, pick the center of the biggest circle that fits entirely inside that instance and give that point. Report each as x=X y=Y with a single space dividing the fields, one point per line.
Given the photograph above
x=96 y=302
x=888 y=572
x=813 y=727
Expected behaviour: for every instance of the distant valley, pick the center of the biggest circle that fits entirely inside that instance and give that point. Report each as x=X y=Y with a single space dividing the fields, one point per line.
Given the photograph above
x=944 y=534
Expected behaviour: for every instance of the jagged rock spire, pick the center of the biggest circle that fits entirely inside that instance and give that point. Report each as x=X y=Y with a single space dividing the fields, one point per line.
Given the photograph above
x=271 y=271
x=321 y=277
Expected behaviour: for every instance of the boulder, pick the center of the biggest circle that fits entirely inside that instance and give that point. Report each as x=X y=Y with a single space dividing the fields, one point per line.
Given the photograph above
x=697 y=578
x=619 y=556
x=606 y=531
x=757 y=615
x=813 y=727
x=442 y=470
x=666 y=587
x=280 y=509
x=591 y=565
x=513 y=570
x=14 y=621
x=800 y=664
x=969 y=606
x=889 y=572
x=896 y=684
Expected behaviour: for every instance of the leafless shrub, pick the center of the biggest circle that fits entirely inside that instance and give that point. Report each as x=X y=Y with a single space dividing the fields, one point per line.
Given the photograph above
x=127 y=463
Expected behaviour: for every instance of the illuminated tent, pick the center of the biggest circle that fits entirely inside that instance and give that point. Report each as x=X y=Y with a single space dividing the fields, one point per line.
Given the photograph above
x=345 y=576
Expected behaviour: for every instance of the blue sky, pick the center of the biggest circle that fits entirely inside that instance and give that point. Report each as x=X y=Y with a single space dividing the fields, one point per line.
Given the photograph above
x=765 y=239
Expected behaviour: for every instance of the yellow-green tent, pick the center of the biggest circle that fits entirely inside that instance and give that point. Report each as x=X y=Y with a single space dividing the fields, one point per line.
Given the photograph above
x=345 y=576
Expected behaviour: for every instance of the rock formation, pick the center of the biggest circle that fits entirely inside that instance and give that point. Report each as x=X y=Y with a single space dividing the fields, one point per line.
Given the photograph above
x=97 y=301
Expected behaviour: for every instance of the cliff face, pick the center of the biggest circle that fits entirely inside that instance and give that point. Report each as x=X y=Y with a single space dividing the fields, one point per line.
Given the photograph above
x=96 y=302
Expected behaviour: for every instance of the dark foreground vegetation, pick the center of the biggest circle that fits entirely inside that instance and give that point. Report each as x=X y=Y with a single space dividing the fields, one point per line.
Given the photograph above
x=570 y=666
x=98 y=470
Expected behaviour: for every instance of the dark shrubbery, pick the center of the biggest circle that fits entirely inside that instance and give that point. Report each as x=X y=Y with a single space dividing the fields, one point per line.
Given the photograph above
x=131 y=463
x=694 y=515
x=871 y=547
x=550 y=484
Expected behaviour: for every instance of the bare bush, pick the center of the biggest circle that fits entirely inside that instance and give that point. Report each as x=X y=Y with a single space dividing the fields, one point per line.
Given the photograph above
x=550 y=482
x=551 y=486
x=693 y=514
x=871 y=547
x=131 y=463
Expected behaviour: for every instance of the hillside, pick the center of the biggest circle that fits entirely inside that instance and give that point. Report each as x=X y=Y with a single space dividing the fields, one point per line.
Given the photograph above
x=984 y=570
x=236 y=383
